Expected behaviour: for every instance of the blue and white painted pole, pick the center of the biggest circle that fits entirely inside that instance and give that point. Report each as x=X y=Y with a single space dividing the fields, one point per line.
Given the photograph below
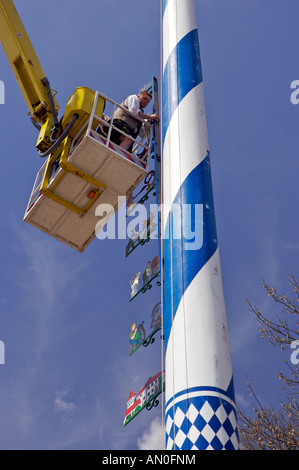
x=199 y=396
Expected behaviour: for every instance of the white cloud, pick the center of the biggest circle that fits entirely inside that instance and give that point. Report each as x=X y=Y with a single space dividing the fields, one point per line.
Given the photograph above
x=64 y=408
x=153 y=439
x=45 y=277
x=49 y=270
x=242 y=401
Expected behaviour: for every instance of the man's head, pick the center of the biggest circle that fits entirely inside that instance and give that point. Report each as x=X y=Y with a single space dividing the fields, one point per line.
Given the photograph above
x=144 y=98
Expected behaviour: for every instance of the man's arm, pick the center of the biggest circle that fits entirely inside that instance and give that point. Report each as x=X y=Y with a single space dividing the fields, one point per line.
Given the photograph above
x=150 y=117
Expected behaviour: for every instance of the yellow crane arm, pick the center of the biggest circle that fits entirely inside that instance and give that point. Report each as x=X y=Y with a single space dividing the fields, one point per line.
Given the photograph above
x=26 y=66
x=83 y=164
x=42 y=104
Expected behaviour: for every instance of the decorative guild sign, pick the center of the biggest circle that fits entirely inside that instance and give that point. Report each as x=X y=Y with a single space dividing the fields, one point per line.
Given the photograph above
x=144 y=227
x=138 y=336
x=146 y=397
x=152 y=271
x=140 y=238
x=148 y=186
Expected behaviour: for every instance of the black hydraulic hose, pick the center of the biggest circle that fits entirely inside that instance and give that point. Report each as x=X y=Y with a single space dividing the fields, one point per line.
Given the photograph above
x=60 y=139
x=46 y=83
x=35 y=124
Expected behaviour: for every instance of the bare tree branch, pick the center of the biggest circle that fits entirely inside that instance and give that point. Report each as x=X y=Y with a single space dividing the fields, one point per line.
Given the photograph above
x=270 y=429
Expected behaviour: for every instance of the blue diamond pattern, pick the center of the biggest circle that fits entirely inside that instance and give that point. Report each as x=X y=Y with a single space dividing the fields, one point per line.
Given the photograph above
x=214 y=427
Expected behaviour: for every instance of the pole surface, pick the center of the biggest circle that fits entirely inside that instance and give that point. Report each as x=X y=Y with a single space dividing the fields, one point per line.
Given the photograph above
x=199 y=395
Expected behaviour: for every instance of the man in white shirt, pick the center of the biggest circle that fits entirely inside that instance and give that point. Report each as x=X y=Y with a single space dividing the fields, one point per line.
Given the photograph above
x=127 y=123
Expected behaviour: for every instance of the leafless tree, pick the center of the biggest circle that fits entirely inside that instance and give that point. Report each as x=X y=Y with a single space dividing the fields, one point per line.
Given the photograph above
x=268 y=428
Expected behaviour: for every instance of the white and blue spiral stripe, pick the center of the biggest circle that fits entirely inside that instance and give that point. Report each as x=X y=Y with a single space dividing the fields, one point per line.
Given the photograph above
x=200 y=410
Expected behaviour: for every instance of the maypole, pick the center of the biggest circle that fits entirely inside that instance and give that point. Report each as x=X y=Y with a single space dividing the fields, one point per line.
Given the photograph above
x=199 y=398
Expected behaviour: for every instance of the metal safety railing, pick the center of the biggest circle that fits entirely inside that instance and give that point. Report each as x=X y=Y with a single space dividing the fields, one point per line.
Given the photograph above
x=92 y=127
x=102 y=127
x=36 y=187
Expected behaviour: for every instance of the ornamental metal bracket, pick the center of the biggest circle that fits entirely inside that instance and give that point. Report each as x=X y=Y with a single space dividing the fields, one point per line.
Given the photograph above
x=146 y=398
x=150 y=338
x=152 y=271
x=144 y=236
x=149 y=185
x=153 y=403
x=138 y=336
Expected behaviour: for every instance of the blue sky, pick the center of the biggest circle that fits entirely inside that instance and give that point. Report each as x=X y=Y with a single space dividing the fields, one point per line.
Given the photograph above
x=65 y=317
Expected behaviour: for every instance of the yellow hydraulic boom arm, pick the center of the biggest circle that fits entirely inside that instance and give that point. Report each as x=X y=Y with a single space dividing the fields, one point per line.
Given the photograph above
x=83 y=164
x=32 y=80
